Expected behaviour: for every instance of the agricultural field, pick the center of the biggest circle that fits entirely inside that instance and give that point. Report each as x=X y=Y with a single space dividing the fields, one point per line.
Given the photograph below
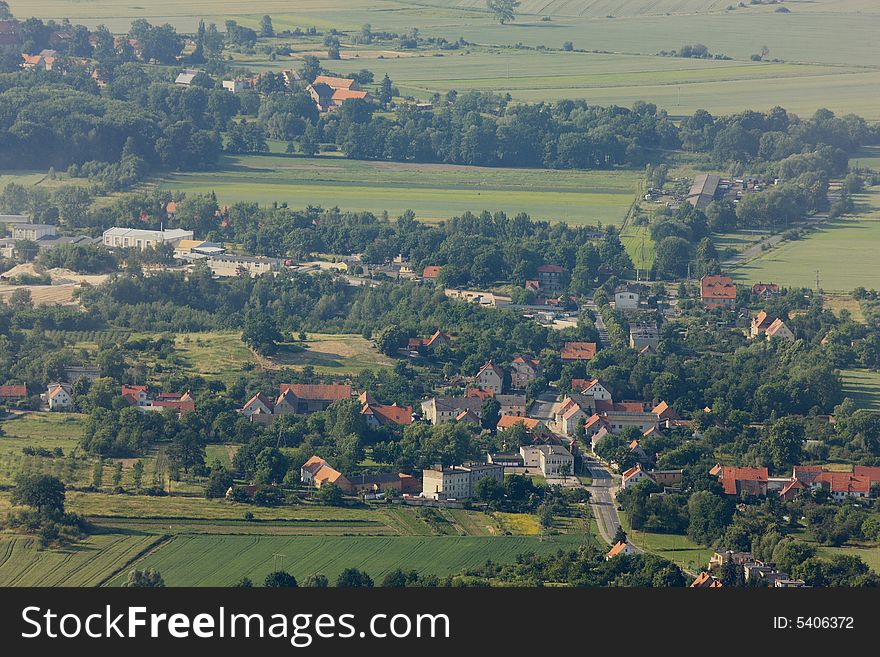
x=88 y=563
x=433 y=191
x=863 y=386
x=823 y=53
x=222 y=561
x=850 y=239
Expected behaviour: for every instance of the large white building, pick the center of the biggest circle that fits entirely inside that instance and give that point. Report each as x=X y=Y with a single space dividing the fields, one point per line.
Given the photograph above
x=457 y=482
x=135 y=238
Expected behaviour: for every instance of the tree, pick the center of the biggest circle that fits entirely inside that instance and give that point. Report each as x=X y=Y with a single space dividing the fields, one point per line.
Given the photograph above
x=785 y=440
x=385 y=90
x=710 y=514
x=490 y=413
x=489 y=489
x=267 y=30
x=329 y=495
x=316 y=581
x=261 y=334
x=672 y=256
x=311 y=68
x=186 y=450
x=137 y=473
x=42 y=492
x=619 y=536
x=219 y=481
x=117 y=475
x=146 y=579
x=5 y=12
x=280 y=579
x=354 y=578
x=391 y=339
x=504 y=10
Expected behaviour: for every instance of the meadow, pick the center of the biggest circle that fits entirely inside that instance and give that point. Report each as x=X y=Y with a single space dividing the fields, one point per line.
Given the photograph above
x=48 y=431
x=843 y=250
x=433 y=191
x=863 y=386
x=679 y=549
x=222 y=561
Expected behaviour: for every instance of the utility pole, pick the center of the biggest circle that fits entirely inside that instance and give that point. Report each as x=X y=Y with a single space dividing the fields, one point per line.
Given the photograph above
x=817 y=281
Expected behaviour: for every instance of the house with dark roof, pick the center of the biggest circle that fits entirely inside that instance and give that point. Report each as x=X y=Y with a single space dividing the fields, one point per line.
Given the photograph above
x=551 y=279
x=524 y=369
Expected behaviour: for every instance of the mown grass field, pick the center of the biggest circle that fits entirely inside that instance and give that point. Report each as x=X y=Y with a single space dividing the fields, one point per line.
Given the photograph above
x=679 y=549
x=864 y=388
x=222 y=561
x=222 y=355
x=843 y=250
x=432 y=191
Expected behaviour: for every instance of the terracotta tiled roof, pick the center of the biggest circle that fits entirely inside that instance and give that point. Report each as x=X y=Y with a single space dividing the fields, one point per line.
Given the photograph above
x=730 y=476
x=844 y=482
x=717 y=287
x=334 y=82
x=508 y=421
x=579 y=350
x=348 y=94
x=314 y=464
x=431 y=271
x=705 y=581
x=331 y=392
x=871 y=472
x=618 y=548
x=550 y=269
x=393 y=414
x=13 y=391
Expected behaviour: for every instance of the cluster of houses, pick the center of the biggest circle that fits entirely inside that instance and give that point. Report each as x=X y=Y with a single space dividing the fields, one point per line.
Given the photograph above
x=770 y=327
x=141 y=398
x=304 y=399
x=840 y=485
x=754 y=571
x=316 y=472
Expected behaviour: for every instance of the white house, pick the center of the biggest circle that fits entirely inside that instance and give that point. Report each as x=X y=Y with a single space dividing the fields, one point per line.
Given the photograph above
x=619 y=548
x=626 y=298
x=135 y=238
x=553 y=458
x=32 y=232
x=59 y=396
x=490 y=377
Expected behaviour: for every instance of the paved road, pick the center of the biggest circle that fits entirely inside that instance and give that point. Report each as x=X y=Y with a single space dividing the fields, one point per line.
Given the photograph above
x=602 y=502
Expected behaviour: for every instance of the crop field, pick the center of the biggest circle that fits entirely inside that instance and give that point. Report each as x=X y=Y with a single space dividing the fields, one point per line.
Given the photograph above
x=223 y=560
x=863 y=386
x=843 y=251
x=85 y=564
x=826 y=31
x=432 y=191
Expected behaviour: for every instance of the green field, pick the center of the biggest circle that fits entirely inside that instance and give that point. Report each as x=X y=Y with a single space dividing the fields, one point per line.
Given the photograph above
x=864 y=388
x=85 y=564
x=223 y=560
x=679 y=549
x=843 y=250
x=222 y=355
x=432 y=191
x=46 y=430
x=829 y=53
